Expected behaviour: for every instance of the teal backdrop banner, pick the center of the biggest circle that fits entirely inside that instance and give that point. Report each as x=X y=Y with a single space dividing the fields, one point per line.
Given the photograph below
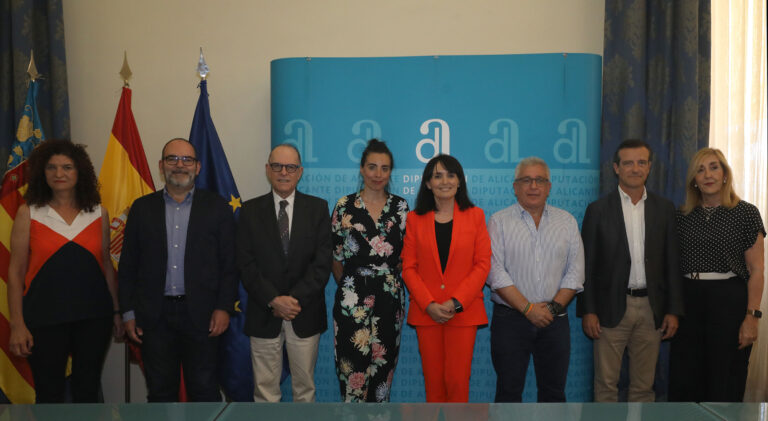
x=487 y=111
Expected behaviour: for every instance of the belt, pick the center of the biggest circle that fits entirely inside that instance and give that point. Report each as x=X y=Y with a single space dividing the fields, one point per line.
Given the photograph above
x=637 y=292
x=709 y=275
x=175 y=297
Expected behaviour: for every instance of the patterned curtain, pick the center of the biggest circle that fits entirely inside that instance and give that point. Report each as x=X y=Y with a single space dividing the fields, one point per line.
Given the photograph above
x=656 y=77
x=27 y=25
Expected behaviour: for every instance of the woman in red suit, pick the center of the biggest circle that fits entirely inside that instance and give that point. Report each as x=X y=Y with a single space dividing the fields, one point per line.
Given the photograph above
x=446 y=257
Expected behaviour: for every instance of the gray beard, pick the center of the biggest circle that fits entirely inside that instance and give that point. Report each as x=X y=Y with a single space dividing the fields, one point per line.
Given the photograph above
x=169 y=179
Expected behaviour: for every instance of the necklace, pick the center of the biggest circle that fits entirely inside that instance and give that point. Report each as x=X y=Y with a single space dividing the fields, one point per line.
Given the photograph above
x=709 y=211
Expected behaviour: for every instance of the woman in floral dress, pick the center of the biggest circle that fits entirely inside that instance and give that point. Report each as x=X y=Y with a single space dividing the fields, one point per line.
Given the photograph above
x=368 y=229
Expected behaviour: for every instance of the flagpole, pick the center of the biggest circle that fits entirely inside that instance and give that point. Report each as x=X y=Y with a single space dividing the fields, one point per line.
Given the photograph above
x=234 y=360
x=125 y=74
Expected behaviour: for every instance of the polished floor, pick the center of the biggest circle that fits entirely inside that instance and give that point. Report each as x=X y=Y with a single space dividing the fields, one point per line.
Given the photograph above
x=387 y=412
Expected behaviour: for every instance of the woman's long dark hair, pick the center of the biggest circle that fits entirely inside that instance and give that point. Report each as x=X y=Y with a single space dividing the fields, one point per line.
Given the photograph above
x=39 y=192
x=425 y=200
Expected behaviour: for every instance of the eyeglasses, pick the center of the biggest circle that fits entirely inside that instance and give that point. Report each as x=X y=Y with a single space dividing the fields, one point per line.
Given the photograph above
x=277 y=167
x=527 y=181
x=185 y=160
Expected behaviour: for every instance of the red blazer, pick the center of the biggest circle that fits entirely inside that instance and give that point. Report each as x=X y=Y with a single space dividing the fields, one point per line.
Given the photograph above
x=469 y=261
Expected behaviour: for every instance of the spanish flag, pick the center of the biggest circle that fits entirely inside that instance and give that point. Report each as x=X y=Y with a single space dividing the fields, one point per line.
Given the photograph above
x=15 y=375
x=124 y=177
x=124 y=173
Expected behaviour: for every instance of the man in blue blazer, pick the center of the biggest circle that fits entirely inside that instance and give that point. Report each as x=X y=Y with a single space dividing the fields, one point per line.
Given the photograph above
x=284 y=256
x=632 y=291
x=178 y=280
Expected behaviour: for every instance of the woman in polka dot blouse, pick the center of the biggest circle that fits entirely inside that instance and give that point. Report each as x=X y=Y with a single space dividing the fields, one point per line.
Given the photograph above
x=721 y=258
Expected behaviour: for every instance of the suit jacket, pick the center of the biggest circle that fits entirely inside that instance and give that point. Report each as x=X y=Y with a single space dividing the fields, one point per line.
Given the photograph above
x=608 y=260
x=469 y=261
x=267 y=272
x=210 y=275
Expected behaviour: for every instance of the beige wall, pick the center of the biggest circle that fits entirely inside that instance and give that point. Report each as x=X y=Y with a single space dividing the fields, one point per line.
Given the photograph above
x=240 y=38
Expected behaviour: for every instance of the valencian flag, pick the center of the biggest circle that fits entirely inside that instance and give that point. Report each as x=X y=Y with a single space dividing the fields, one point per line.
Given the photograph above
x=15 y=375
x=235 y=372
x=124 y=174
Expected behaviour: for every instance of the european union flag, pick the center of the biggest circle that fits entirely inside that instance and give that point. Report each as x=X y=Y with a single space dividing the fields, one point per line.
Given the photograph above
x=235 y=372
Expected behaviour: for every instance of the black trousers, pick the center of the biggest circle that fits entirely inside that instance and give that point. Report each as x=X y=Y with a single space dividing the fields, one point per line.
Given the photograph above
x=513 y=340
x=174 y=344
x=87 y=342
x=705 y=362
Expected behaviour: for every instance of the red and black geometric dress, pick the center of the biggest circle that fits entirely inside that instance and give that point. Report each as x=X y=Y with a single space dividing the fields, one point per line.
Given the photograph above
x=67 y=306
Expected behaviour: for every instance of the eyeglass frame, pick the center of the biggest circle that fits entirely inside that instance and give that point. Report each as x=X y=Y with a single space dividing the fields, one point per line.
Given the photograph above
x=278 y=167
x=173 y=160
x=527 y=181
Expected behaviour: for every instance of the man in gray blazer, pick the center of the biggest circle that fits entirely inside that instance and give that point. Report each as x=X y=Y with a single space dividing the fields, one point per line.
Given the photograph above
x=284 y=256
x=632 y=291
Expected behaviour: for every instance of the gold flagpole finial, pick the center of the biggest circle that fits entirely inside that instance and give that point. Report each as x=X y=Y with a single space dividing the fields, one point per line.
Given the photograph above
x=32 y=69
x=202 y=67
x=125 y=71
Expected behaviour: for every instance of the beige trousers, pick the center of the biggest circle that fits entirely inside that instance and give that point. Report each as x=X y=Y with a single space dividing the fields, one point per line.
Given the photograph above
x=638 y=334
x=267 y=360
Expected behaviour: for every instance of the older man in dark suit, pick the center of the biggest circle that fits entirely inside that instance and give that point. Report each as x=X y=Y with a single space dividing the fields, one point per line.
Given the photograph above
x=178 y=280
x=632 y=291
x=284 y=256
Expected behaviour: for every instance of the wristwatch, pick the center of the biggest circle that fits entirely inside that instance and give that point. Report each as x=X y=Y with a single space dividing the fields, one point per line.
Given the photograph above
x=457 y=307
x=555 y=308
x=757 y=313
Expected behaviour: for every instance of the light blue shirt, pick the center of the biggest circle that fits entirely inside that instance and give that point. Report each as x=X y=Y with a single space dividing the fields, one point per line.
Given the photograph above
x=538 y=262
x=176 y=222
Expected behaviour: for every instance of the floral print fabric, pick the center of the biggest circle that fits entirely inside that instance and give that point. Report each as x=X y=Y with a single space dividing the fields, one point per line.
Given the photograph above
x=369 y=308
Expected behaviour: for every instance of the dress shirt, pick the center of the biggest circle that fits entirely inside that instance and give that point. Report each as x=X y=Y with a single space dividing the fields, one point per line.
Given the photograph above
x=538 y=262
x=288 y=208
x=634 y=223
x=176 y=223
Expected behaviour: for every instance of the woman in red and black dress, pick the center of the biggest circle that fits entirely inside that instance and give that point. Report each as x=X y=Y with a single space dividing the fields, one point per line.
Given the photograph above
x=62 y=295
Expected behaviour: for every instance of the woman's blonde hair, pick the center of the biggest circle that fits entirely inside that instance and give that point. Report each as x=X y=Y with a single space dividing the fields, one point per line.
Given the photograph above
x=729 y=198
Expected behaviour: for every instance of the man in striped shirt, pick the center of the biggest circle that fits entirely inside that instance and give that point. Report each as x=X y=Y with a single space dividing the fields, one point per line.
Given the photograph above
x=536 y=268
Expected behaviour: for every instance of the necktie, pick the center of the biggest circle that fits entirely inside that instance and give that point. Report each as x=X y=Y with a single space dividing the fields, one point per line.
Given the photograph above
x=282 y=225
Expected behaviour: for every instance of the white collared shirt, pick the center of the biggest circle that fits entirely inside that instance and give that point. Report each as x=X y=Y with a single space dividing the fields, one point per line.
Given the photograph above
x=288 y=209
x=634 y=223
x=537 y=261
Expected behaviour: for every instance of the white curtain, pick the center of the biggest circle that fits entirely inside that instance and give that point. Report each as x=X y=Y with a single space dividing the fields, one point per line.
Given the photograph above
x=738 y=128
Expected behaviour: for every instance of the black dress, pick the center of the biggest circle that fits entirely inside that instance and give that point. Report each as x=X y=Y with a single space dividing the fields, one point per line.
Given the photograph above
x=705 y=362
x=369 y=308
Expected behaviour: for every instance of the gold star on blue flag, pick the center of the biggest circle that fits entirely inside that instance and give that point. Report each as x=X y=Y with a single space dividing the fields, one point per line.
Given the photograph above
x=235 y=203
